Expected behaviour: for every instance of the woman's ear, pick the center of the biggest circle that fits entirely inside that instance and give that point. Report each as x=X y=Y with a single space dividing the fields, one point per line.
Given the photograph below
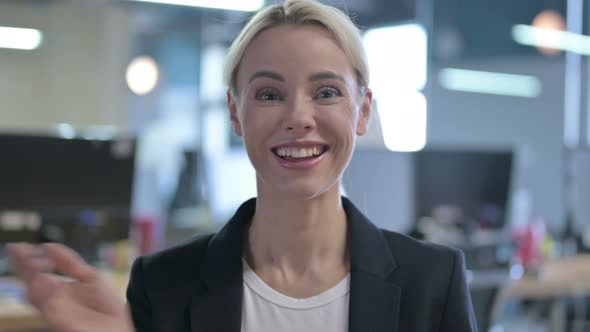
x=233 y=112
x=364 y=113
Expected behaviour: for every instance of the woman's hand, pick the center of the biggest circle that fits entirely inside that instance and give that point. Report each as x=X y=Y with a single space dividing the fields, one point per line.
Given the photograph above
x=82 y=301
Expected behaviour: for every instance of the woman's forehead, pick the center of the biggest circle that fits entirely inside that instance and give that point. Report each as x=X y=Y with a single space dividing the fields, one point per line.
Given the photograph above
x=303 y=49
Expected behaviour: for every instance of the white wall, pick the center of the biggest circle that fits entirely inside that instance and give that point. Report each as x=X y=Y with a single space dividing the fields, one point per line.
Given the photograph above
x=76 y=76
x=381 y=184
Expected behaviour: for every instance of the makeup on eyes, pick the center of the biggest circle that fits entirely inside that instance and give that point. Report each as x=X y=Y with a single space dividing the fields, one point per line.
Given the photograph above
x=335 y=91
x=322 y=87
x=265 y=92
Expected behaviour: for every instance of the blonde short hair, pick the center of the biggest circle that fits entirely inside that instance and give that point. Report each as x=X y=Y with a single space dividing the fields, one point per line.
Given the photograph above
x=300 y=12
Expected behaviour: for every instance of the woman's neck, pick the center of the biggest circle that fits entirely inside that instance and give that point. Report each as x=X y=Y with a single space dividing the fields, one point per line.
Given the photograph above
x=298 y=237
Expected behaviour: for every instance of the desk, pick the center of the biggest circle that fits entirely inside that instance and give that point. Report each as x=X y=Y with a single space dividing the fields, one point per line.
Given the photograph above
x=558 y=280
x=19 y=317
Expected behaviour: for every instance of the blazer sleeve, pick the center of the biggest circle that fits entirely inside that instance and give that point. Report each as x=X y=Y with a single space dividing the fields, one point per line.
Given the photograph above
x=458 y=313
x=138 y=300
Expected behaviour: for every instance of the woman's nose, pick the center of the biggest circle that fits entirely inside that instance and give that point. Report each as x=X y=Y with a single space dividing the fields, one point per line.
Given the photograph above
x=299 y=116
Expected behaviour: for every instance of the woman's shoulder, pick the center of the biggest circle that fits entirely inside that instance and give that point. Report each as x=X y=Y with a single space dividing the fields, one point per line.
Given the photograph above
x=175 y=264
x=424 y=267
x=409 y=250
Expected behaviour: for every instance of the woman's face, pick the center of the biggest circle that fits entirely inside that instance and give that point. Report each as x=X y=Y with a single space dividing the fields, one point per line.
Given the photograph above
x=299 y=108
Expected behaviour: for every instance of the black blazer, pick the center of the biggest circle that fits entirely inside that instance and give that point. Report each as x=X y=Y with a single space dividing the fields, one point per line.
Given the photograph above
x=397 y=284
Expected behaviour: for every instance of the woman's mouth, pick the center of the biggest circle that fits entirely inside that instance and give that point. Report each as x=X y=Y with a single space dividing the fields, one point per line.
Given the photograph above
x=295 y=154
x=300 y=156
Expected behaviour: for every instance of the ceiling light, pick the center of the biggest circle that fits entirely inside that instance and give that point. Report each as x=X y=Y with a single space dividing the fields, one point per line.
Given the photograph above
x=241 y=5
x=398 y=60
x=403 y=120
x=20 y=38
x=142 y=75
x=397 y=57
x=549 y=19
x=551 y=38
x=490 y=82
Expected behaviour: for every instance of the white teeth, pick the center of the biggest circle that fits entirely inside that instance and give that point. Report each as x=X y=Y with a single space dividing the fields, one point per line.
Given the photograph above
x=299 y=152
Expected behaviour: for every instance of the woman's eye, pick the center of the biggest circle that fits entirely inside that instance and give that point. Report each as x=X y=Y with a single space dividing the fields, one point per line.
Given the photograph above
x=268 y=95
x=328 y=92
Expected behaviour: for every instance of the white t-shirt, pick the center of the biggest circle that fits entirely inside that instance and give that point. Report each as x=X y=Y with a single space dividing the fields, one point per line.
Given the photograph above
x=266 y=310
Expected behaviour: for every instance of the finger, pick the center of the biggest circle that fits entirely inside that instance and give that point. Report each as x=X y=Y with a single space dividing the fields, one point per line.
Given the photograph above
x=65 y=313
x=100 y=294
x=69 y=262
x=41 y=264
x=21 y=256
x=41 y=287
x=38 y=263
x=19 y=253
x=44 y=286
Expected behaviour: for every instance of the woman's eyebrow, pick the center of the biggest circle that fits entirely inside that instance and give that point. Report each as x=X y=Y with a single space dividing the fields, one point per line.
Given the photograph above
x=326 y=75
x=266 y=73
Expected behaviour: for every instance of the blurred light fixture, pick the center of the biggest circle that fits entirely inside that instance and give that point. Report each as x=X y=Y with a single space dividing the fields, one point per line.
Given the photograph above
x=65 y=130
x=397 y=57
x=490 y=82
x=551 y=39
x=241 y=5
x=142 y=75
x=516 y=271
x=99 y=133
x=551 y=20
x=577 y=45
x=404 y=121
x=398 y=60
x=20 y=38
x=212 y=60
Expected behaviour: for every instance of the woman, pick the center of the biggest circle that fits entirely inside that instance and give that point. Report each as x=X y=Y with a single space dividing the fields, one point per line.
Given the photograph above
x=299 y=257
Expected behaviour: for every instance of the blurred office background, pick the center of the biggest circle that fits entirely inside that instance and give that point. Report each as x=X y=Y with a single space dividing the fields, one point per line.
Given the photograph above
x=115 y=138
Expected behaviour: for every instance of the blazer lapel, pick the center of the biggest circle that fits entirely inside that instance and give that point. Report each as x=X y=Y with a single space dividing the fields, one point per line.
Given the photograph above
x=217 y=304
x=374 y=300
x=374 y=304
x=218 y=310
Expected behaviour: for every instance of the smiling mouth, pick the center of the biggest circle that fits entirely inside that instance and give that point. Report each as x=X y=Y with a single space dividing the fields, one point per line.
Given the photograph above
x=300 y=154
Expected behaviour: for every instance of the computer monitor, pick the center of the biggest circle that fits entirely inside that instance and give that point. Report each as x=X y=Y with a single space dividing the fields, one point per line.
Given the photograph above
x=50 y=185
x=476 y=182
